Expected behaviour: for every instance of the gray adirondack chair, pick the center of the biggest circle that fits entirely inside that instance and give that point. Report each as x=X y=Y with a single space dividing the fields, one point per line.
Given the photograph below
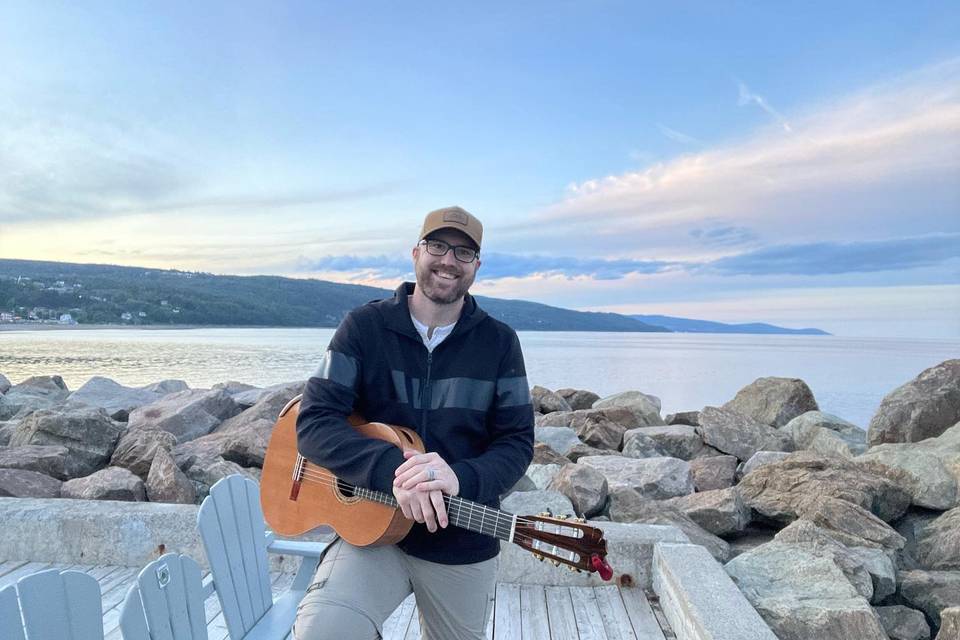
x=167 y=601
x=236 y=542
x=52 y=605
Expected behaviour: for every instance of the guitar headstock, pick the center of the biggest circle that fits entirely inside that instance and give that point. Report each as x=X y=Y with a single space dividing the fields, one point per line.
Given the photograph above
x=564 y=540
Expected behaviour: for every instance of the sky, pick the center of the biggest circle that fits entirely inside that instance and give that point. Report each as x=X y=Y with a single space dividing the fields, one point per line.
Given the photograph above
x=791 y=163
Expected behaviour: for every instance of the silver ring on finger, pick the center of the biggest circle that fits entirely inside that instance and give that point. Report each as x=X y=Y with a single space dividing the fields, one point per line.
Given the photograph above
x=431 y=475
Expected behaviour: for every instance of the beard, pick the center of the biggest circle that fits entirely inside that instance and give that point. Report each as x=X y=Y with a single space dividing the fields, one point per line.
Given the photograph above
x=438 y=290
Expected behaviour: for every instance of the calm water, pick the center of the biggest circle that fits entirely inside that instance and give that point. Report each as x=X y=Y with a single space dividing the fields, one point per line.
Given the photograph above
x=849 y=376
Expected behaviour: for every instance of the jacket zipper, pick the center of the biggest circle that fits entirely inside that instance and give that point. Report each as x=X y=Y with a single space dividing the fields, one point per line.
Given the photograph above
x=425 y=399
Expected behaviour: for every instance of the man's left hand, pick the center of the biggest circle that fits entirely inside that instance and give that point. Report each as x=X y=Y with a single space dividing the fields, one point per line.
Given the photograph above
x=426 y=472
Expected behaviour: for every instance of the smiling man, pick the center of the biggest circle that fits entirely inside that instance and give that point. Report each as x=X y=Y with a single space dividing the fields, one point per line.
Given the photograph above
x=429 y=359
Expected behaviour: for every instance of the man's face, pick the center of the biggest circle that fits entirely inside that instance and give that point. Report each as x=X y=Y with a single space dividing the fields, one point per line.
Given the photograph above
x=444 y=279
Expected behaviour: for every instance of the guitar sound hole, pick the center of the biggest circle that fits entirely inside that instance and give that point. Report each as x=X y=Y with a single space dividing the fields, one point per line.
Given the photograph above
x=344 y=489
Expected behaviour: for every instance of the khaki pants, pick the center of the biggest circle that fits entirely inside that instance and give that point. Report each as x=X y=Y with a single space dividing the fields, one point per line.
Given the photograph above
x=356 y=589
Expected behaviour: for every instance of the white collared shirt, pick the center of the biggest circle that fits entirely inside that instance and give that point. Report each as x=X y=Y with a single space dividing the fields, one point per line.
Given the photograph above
x=439 y=333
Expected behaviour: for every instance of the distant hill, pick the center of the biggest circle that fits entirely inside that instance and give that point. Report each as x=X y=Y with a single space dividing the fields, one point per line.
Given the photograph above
x=687 y=325
x=104 y=294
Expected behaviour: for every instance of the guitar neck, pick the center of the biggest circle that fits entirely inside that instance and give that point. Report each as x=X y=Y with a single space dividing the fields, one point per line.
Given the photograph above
x=462 y=513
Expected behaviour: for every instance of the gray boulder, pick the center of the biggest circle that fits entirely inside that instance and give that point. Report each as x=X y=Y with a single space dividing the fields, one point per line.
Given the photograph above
x=645 y=407
x=759 y=459
x=233 y=388
x=656 y=478
x=923 y=408
x=89 y=434
x=585 y=487
x=7 y=427
x=544 y=454
x=932 y=485
x=4 y=384
x=206 y=472
x=578 y=398
x=778 y=490
x=882 y=569
x=136 y=449
x=722 y=512
x=938 y=545
x=166 y=387
x=811 y=538
x=34 y=393
x=253 y=396
x=542 y=474
x=531 y=503
x=559 y=439
x=114 y=398
x=546 y=401
x=911 y=526
x=949 y=624
x=639 y=445
x=268 y=408
x=826 y=433
x=691 y=418
x=773 y=401
x=930 y=592
x=677 y=441
x=803 y=596
x=20 y=483
x=583 y=450
x=112 y=483
x=186 y=414
x=596 y=430
x=850 y=523
x=903 y=623
x=166 y=483
x=49 y=460
x=627 y=505
x=739 y=435
x=715 y=472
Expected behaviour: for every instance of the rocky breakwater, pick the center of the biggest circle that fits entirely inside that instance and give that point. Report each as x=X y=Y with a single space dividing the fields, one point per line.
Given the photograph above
x=833 y=533
x=830 y=531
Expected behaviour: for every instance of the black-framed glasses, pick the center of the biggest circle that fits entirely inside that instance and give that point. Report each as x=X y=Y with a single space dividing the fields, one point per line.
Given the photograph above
x=461 y=252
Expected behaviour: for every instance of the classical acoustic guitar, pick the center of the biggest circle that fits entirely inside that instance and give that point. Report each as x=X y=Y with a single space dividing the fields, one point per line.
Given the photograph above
x=297 y=496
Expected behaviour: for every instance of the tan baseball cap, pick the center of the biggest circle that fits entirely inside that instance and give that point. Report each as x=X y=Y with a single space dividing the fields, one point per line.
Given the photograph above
x=453 y=218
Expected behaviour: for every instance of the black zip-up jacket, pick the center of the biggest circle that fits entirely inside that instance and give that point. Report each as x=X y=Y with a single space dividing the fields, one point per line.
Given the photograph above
x=469 y=401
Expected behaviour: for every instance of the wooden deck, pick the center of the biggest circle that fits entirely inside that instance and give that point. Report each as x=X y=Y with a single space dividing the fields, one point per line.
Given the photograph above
x=521 y=612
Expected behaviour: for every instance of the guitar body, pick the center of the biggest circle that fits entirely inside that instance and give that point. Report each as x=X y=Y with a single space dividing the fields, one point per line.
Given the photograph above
x=292 y=508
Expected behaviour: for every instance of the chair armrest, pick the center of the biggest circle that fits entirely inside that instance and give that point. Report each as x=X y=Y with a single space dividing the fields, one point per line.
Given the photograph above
x=297 y=548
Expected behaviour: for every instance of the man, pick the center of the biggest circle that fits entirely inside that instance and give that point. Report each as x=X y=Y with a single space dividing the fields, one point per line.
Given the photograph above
x=432 y=360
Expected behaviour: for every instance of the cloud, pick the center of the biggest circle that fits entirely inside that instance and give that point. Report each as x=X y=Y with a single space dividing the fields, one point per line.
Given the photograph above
x=494 y=266
x=885 y=156
x=677 y=136
x=829 y=258
x=748 y=97
x=723 y=236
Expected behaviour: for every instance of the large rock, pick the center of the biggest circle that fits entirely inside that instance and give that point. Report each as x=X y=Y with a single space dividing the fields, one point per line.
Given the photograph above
x=49 y=460
x=597 y=430
x=722 y=512
x=811 y=538
x=759 y=459
x=773 y=401
x=186 y=414
x=90 y=435
x=645 y=407
x=656 y=478
x=912 y=526
x=206 y=472
x=253 y=396
x=136 y=449
x=37 y=392
x=677 y=441
x=585 y=487
x=542 y=474
x=166 y=483
x=20 y=483
x=691 y=418
x=949 y=624
x=639 y=445
x=903 y=623
x=826 y=433
x=559 y=439
x=715 y=472
x=882 y=569
x=4 y=384
x=923 y=408
x=268 y=407
x=531 y=503
x=7 y=427
x=938 y=545
x=114 y=398
x=546 y=401
x=930 y=592
x=852 y=524
x=932 y=487
x=544 y=454
x=578 y=398
x=627 y=505
x=803 y=596
x=112 y=483
x=739 y=435
x=166 y=387
x=777 y=490
x=583 y=450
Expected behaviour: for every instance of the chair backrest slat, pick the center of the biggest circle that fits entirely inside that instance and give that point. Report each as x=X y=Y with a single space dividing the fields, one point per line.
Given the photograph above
x=133 y=621
x=59 y=605
x=216 y=541
x=247 y=493
x=11 y=626
x=166 y=602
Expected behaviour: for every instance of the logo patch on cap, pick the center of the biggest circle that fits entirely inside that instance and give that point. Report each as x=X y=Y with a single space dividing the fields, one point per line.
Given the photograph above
x=455 y=216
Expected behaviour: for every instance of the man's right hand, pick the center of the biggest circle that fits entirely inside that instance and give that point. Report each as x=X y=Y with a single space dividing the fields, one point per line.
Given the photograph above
x=423 y=506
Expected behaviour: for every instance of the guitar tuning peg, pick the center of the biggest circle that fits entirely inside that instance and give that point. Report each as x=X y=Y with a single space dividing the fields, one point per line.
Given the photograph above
x=545 y=514
x=563 y=517
x=538 y=557
x=556 y=563
x=581 y=519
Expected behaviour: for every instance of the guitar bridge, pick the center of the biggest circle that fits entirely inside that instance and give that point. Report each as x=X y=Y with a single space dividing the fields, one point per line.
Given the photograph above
x=297 y=477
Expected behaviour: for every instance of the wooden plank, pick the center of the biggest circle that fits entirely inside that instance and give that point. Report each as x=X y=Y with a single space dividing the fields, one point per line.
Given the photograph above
x=645 y=624
x=257 y=581
x=563 y=621
x=258 y=531
x=11 y=628
x=22 y=571
x=585 y=608
x=214 y=544
x=616 y=622
x=506 y=620
x=534 y=621
x=395 y=627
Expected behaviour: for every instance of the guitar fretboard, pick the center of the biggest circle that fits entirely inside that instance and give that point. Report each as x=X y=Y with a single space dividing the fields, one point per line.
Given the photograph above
x=462 y=513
